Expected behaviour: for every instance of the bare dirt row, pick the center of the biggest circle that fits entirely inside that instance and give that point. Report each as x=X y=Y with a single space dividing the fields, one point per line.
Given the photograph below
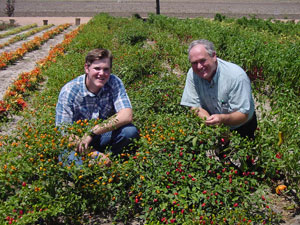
x=28 y=63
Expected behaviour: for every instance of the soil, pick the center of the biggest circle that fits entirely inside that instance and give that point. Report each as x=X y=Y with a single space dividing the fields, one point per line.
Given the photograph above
x=59 y=12
x=277 y=9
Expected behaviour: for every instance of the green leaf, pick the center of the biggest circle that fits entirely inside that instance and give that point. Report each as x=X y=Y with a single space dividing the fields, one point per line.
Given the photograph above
x=188 y=138
x=194 y=142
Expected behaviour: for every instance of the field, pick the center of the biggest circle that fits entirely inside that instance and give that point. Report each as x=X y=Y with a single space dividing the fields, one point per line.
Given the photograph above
x=170 y=175
x=277 y=9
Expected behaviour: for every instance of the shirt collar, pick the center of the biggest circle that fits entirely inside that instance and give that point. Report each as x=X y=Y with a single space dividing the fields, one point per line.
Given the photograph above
x=217 y=74
x=86 y=92
x=215 y=78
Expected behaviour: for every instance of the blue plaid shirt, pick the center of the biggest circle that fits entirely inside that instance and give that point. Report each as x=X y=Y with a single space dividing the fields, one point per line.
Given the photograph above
x=76 y=102
x=229 y=91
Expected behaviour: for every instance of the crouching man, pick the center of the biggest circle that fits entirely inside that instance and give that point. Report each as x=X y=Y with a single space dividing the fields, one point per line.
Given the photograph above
x=218 y=91
x=97 y=94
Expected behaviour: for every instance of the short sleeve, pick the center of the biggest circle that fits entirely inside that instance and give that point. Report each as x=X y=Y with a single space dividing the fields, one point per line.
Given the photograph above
x=241 y=95
x=120 y=97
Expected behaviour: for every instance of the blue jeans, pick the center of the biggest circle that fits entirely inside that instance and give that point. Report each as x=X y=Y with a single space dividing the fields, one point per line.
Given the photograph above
x=115 y=141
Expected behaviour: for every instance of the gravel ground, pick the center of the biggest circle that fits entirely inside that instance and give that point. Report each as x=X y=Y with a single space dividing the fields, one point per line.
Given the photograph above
x=277 y=9
x=50 y=20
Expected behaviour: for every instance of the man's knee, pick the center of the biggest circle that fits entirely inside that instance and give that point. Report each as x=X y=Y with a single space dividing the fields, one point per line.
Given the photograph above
x=130 y=132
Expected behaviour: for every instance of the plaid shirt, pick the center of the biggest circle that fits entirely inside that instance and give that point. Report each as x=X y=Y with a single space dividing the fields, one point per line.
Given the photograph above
x=76 y=102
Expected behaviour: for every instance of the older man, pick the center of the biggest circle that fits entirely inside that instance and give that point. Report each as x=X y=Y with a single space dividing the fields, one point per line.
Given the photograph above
x=218 y=91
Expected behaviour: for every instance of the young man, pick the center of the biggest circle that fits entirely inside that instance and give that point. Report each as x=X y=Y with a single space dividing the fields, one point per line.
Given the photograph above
x=218 y=91
x=97 y=94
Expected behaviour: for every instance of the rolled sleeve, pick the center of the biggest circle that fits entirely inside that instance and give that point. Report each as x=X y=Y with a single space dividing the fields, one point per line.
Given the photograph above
x=121 y=99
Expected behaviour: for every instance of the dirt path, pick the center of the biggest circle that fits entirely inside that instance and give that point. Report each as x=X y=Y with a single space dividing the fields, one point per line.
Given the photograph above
x=28 y=63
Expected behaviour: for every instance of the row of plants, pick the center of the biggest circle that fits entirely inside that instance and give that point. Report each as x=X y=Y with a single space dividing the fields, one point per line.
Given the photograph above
x=59 y=49
x=263 y=54
x=17 y=30
x=14 y=99
x=7 y=58
x=277 y=27
x=170 y=175
x=23 y=36
x=4 y=26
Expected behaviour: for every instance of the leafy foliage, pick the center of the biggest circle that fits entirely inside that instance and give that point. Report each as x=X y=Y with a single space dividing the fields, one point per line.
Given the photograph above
x=171 y=174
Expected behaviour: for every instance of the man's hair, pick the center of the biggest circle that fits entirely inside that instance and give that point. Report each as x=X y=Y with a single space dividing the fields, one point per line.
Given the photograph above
x=208 y=45
x=96 y=54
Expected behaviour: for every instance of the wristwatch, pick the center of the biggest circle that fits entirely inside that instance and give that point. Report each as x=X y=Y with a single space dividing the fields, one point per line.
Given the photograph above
x=92 y=134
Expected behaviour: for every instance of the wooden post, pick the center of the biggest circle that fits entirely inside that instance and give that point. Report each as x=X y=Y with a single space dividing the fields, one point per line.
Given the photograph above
x=157 y=7
x=12 y=22
x=77 y=21
x=45 y=22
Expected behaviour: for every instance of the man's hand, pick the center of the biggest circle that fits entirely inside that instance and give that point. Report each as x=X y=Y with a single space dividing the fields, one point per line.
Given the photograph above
x=230 y=119
x=83 y=144
x=101 y=157
x=215 y=119
x=73 y=140
x=202 y=113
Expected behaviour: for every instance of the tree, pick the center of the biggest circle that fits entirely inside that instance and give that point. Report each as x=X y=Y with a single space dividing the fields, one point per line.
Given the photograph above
x=10 y=7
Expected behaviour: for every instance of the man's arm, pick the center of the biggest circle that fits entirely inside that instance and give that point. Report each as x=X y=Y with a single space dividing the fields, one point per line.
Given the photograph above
x=230 y=119
x=121 y=118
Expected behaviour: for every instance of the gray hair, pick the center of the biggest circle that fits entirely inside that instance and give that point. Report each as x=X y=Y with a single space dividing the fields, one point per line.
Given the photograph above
x=208 y=45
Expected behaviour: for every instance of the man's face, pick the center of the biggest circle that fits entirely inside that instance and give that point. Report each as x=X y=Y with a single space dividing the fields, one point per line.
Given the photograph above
x=202 y=63
x=97 y=74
